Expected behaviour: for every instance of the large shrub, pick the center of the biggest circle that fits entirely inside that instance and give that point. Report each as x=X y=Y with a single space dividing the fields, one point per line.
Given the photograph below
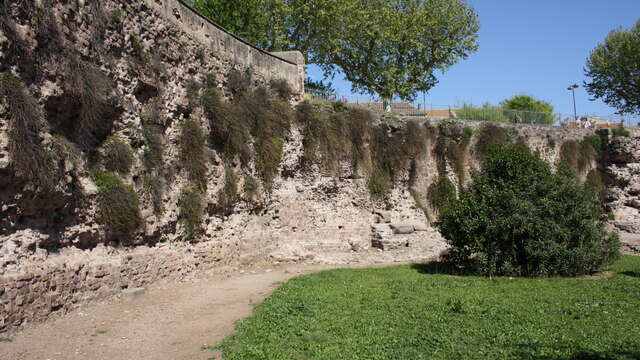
x=519 y=218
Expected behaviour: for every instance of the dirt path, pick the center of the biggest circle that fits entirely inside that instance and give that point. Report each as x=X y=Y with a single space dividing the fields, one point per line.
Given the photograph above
x=169 y=321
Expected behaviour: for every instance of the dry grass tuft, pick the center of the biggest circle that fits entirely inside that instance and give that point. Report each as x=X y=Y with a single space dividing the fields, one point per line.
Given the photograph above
x=29 y=157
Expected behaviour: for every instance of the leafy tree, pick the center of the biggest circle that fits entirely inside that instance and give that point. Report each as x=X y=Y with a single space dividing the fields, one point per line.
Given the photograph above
x=260 y=22
x=520 y=218
x=529 y=110
x=393 y=48
x=614 y=69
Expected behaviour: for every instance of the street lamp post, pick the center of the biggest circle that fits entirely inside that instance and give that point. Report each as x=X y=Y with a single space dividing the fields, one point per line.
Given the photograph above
x=573 y=88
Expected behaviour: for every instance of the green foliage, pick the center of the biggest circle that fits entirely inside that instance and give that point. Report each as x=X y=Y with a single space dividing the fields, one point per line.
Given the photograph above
x=345 y=314
x=614 y=70
x=134 y=41
x=264 y=23
x=579 y=155
x=118 y=206
x=192 y=206
x=519 y=218
x=383 y=47
x=489 y=135
x=620 y=131
x=154 y=145
x=117 y=15
x=485 y=113
x=118 y=155
x=526 y=109
x=154 y=186
x=596 y=142
x=268 y=156
x=468 y=132
x=193 y=152
x=379 y=183
x=395 y=54
x=441 y=193
x=228 y=195
x=28 y=155
x=92 y=107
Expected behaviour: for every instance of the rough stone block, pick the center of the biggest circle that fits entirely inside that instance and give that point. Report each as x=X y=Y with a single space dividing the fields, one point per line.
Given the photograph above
x=402 y=228
x=134 y=292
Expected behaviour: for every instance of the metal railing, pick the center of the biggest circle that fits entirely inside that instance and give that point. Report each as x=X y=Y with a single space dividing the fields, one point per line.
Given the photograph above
x=482 y=113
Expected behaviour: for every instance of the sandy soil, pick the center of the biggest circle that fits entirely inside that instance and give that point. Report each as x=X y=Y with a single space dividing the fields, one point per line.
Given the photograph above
x=169 y=321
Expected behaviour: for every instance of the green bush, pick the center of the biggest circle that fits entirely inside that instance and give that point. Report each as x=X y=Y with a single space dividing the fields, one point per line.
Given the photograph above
x=441 y=193
x=118 y=155
x=595 y=141
x=192 y=207
x=488 y=135
x=468 y=132
x=519 y=218
x=118 y=206
x=620 y=131
x=193 y=152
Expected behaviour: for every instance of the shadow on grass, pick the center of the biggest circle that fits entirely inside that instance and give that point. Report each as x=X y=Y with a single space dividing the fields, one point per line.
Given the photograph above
x=631 y=273
x=440 y=267
x=590 y=355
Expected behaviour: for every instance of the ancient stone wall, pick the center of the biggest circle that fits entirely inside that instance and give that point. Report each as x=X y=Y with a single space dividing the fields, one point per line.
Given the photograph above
x=144 y=64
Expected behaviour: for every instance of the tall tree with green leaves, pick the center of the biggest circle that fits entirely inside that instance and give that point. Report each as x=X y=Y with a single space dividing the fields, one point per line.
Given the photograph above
x=614 y=70
x=395 y=48
x=529 y=110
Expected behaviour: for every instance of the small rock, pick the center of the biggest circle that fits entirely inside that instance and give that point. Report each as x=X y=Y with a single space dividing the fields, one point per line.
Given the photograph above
x=134 y=292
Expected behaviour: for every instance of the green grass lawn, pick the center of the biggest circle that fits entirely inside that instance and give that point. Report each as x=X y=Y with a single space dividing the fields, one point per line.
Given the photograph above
x=407 y=312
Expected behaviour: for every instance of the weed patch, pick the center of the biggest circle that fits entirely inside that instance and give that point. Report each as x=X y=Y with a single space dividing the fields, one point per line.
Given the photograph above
x=489 y=135
x=441 y=193
x=192 y=152
x=118 y=155
x=191 y=206
x=118 y=206
x=228 y=195
x=580 y=154
x=29 y=157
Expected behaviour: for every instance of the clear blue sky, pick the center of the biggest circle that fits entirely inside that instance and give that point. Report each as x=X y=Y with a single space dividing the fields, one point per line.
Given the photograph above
x=534 y=47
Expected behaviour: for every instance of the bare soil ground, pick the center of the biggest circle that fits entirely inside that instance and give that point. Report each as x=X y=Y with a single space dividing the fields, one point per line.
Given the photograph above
x=169 y=321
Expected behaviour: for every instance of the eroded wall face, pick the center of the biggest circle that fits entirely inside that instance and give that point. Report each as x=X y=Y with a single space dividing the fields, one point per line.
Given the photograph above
x=136 y=71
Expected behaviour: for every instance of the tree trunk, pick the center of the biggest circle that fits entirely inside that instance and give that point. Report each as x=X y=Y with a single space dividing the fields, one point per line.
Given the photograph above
x=386 y=104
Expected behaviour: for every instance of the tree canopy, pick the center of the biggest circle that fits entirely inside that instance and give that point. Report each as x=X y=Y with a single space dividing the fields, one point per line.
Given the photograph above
x=384 y=47
x=614 y=70
x=529 y=110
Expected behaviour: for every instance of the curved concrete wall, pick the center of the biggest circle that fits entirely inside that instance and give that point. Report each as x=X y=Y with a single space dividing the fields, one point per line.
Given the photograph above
x=270 y=66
